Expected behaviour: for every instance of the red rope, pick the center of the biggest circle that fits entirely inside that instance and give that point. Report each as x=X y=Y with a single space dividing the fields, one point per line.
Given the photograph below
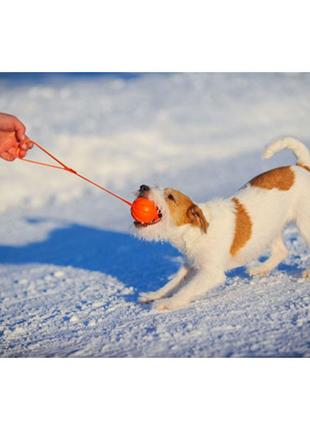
x=68 y=169
x=42 y=164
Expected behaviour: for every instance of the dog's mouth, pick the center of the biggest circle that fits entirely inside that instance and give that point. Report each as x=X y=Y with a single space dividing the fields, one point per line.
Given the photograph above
x=139 y=224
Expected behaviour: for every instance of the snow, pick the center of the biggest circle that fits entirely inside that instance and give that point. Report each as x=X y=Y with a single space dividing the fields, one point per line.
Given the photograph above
x=70 y=270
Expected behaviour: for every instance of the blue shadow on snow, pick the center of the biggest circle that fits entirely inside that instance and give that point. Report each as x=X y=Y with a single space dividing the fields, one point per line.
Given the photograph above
x=140 y=264
x=143 y=265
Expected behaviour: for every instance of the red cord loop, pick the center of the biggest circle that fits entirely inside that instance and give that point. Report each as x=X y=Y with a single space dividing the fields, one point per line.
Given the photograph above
x=70 y=170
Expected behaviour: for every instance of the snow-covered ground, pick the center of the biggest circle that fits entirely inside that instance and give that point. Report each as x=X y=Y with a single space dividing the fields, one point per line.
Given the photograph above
x=70 y=271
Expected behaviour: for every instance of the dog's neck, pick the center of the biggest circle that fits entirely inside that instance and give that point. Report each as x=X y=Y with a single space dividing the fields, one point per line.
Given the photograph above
x=186 y=240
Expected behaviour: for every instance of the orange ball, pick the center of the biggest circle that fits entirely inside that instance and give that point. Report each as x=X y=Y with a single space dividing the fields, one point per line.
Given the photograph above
x=144 y=211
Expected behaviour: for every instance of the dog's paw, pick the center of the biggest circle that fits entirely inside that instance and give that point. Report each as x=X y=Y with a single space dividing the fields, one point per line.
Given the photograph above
x=147 y=297
x=306 y=274
x=258 y=271
x=167 y=305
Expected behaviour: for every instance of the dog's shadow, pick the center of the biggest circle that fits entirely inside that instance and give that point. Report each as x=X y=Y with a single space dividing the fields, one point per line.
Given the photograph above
x=143 y=265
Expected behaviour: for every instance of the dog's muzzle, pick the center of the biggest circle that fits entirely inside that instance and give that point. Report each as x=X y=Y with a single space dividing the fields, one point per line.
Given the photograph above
x=143 y=190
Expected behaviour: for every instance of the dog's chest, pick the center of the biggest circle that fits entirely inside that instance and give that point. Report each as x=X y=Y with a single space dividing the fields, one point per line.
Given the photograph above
x=188 y=241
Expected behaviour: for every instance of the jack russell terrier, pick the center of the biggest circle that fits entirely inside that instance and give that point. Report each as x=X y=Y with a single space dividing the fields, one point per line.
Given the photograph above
x=223 y=234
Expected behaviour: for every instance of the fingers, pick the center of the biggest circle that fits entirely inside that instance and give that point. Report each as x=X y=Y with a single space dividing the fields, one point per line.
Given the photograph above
x=17 y=152
x=12 y=144
x=11 y=148
x=24 y=147
x=6 y=156
x=21 y=153
x=27 y=144
x=13 y=151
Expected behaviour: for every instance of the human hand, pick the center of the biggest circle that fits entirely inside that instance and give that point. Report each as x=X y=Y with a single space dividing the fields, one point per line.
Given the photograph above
x=10 y=148
x=13 y=141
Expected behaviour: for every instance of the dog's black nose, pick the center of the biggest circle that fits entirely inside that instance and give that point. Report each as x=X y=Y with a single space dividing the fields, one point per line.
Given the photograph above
x=144 y=189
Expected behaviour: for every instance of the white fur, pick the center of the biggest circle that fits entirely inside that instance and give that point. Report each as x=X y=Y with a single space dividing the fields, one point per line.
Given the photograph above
x=299 y=149
x=208 y=254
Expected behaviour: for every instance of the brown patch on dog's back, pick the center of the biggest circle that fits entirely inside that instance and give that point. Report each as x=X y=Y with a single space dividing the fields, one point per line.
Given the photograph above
x=183 y=210
x=303 y=166
x=281 y=178
x=243 y=228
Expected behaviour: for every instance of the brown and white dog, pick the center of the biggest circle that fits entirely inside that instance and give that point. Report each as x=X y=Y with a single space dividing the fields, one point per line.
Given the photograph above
x=226 y=233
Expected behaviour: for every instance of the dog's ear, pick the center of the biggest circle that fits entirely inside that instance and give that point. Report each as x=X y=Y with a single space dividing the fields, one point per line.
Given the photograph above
x=197 y=218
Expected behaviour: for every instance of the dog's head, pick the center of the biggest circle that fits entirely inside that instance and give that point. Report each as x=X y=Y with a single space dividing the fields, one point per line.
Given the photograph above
x=175 y=209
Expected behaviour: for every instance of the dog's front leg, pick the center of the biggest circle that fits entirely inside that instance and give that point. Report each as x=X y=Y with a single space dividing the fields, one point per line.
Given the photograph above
x=197 y=287
x=166 y=289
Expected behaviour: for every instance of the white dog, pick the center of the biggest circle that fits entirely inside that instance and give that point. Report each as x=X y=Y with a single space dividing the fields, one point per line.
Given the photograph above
x=226 y=233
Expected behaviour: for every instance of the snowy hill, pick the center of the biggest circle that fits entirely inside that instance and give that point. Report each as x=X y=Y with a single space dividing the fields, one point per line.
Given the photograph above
x=70 y=271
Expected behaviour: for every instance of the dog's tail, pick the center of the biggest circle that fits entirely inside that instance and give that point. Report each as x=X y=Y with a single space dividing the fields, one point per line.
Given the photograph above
x=300 y=150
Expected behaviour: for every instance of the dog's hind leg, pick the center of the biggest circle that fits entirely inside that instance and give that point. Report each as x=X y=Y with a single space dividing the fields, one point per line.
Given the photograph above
x=303 y=224
x=168 y=288
x=278 y=253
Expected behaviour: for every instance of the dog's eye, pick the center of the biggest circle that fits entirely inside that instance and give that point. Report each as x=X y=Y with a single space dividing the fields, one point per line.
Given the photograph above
x=170 y=197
